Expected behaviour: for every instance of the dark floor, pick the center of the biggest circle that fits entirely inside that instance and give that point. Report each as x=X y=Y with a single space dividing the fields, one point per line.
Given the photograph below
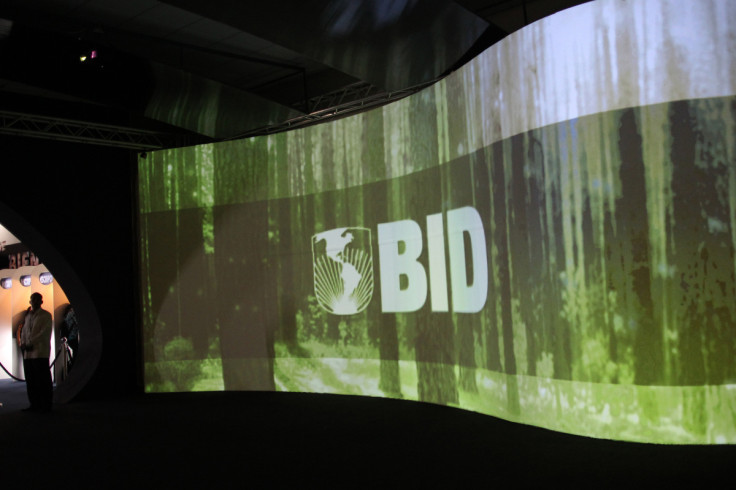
x=264 y=440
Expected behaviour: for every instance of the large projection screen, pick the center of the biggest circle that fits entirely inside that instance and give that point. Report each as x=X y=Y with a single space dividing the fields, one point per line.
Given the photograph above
x=546 y=235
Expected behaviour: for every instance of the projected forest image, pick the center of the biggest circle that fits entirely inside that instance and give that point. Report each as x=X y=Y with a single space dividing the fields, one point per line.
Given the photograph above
x=609 y=244
x=546 y=235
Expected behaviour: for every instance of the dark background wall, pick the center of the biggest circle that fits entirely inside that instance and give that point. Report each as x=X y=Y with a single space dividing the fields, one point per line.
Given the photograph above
x=80 y=199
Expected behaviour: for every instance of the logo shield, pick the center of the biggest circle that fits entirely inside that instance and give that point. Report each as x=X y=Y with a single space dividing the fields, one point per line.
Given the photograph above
x=343 y=270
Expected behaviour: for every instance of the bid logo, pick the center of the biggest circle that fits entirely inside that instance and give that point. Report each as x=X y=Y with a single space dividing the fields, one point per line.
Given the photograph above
x=343 y=265
x=343 y=269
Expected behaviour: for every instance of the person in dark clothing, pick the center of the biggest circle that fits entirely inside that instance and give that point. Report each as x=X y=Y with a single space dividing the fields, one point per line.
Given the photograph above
x=35 y=343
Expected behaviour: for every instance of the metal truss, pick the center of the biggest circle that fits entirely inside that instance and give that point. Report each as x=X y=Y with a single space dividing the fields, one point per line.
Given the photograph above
x=351 y=93
x=45 y=127
x=352 y=99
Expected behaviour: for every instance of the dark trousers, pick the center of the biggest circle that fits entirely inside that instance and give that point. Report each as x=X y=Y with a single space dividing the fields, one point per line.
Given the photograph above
x=38 y=383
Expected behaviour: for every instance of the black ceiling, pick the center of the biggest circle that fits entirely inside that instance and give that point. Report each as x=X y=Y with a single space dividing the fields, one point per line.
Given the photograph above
x=209 y=70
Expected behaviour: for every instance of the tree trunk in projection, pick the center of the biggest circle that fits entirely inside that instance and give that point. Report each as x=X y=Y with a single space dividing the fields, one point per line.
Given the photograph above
x=430 y=327
x=310 y=228
x=656 y=147
x=590 y=367
x=711 y=123
x=618 y=255
x=204 y=192
x=375 y=206
x=308 y=202
x=435 y=331
x=241 y=243
x=458 y=191
x=332 y=209
x=162 y=258
x=538 y=252
x=594 y=302
x=388 y=166
x=728 y=109
x=502 y=209
x=305 y=279
x=613 y=285
x=286 y=257
x=382 y=326
x=301 y=282
x=435 y=358
x=631 y=213
x=353 y=332
x=196 y=316
x=483 y=201
x=272 y=271
x=279 y=167
x=329 y=219
x=554 y=211
x=147 y=315
x=572 y=272
x=598 y=149
x=704 y=254
x=319 y=325
x=519 y=235
x=690 y=189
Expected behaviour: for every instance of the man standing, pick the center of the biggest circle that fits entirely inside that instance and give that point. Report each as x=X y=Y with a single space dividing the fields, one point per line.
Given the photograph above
x=35 y=343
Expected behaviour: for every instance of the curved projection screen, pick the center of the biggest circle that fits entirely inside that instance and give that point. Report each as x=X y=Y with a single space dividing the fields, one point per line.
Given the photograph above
x=546 y=236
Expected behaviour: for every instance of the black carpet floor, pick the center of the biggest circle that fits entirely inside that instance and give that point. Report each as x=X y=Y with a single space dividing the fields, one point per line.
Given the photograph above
x=277 y=440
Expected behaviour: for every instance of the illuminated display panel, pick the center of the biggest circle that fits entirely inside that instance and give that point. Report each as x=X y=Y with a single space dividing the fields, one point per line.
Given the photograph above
x=546 y=236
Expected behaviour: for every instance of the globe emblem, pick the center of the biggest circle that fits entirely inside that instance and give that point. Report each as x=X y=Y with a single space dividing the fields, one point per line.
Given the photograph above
x=343 y=270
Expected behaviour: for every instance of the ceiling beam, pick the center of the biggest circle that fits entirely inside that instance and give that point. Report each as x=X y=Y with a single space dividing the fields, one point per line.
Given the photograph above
x=51 y=128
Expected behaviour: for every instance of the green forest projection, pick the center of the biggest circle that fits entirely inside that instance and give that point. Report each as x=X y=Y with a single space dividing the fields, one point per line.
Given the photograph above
x=610 y=241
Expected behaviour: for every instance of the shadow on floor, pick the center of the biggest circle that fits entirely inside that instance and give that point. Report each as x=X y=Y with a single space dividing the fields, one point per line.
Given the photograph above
x=255 y=439
x=12 y=395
